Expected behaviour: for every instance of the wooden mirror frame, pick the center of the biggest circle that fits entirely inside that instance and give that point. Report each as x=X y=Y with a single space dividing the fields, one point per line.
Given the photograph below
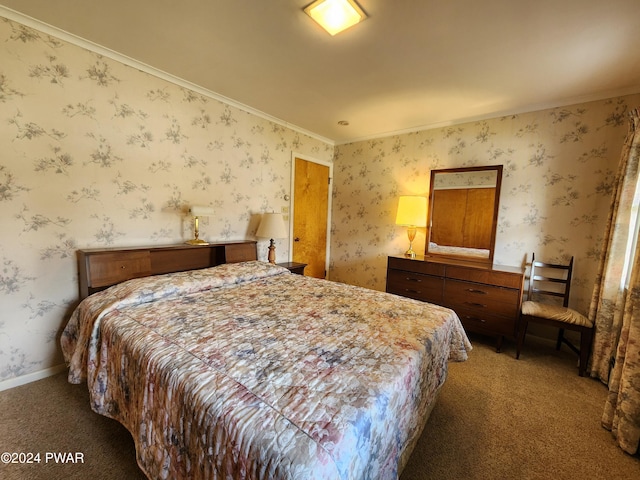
x=464 y=253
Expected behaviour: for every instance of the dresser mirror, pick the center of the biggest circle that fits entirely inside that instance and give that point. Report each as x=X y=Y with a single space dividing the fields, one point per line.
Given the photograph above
x=463 y=212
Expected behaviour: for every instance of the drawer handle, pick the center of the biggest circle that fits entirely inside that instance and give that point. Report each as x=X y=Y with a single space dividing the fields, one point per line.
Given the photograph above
x=474 y=290
x=408 y=290
x=411 y=279
x=481 y=320
x=123 y=267
x=475 y=304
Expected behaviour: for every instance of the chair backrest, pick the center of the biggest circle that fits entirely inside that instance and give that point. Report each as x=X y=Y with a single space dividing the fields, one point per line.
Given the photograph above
x=550 y=279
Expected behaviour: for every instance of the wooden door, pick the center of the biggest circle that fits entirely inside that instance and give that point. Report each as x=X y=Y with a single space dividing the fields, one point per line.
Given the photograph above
x=310 y=214
x=479 y=215
x=460 y=217
x=447 y=217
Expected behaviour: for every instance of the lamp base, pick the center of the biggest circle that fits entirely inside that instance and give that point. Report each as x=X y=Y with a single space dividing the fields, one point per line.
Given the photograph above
x=272 y=252
x=410 y=253
x=411 y=233
x=197 y=241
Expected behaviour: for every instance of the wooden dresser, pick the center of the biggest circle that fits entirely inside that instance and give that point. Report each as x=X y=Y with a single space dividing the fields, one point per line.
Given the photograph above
x=99 y=268
x=486 y=298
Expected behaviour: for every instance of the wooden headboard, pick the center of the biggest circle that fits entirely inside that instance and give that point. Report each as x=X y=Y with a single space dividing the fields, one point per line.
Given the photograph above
x=101 y=268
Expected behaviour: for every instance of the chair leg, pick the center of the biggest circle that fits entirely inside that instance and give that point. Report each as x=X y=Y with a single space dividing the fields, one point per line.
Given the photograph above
x=522 y=331
x=560 y=338
x=586 y=336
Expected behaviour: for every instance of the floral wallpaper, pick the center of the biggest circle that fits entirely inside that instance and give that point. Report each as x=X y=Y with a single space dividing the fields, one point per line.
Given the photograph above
x=558 y=170
x=96 y=153
x=465 y=180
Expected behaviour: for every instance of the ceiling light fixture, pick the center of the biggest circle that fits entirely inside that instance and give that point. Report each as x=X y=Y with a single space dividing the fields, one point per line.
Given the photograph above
x=335 y=15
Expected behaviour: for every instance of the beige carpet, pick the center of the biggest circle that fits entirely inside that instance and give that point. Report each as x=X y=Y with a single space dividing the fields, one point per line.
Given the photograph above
x=497 y=418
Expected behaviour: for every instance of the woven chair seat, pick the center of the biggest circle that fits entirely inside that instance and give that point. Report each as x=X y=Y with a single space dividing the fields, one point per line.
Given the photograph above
x=555 y=312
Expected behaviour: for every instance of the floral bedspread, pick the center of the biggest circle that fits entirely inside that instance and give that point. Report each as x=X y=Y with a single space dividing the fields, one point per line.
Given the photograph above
x=248 y=371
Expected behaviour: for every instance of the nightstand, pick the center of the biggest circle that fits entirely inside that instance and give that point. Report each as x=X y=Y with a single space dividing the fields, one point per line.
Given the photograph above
x=294 y=267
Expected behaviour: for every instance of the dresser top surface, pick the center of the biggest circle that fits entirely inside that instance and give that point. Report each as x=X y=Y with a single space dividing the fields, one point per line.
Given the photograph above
x=461 y=263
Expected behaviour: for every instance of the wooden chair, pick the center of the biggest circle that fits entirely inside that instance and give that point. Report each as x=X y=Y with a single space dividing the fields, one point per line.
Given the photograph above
x=552 y=280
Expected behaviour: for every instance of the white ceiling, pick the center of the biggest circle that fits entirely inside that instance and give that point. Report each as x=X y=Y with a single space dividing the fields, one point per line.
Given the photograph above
x=412 y=64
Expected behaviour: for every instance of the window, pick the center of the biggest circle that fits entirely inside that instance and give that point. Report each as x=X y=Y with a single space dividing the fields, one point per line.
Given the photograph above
x=634 y=225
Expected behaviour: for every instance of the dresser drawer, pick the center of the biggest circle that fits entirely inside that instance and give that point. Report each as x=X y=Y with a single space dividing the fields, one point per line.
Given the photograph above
x=111 y=268
x=497 y=300
x=414 y=285
x=485 y=322
x=416 y=266
x=491 y=277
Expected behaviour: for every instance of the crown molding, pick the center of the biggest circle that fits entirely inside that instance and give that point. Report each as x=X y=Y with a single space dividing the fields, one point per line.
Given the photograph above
x=634 y=90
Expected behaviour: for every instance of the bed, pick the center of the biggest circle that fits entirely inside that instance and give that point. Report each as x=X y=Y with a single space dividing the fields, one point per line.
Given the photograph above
x=246 y=370
x=459 y=251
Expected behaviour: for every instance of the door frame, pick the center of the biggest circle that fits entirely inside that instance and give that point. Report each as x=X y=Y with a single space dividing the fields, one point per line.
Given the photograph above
x=292 y=207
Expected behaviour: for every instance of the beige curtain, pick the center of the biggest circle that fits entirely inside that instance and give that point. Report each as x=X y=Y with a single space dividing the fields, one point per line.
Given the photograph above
x=616 y=309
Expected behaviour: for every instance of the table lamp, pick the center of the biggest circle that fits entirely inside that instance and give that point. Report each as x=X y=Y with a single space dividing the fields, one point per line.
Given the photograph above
x=412 y=213
x=198 y=211
x=271 y=226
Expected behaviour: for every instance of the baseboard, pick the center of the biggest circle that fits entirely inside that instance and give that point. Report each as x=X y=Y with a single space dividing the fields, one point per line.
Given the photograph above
x=31 y=377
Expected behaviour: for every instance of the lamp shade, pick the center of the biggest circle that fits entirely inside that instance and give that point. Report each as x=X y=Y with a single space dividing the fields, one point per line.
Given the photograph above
x=271 y=226
x=200 y=211
x=412 y=211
